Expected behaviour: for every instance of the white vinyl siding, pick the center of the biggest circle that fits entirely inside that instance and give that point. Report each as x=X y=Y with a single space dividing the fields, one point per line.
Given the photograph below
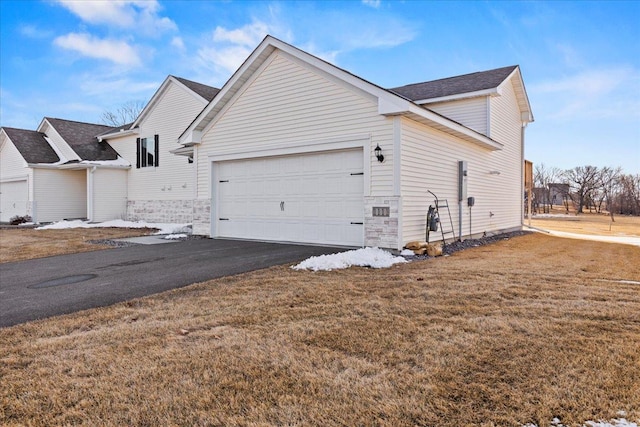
x=506 y=128
x=173 y=178
x=470 y=112
x=109 y=194
x=430 y=162
x=289 y=103
x=60 y=194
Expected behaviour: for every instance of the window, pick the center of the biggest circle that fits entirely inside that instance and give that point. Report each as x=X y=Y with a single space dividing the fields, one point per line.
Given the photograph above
x=147 y=152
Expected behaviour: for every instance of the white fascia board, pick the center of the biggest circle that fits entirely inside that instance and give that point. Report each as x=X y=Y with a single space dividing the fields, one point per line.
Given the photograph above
x=76 y=166
x=54 y=146
x=456 y=129
x=183 y=151
x=190 y=137
x=485 y=92
x=523 y=99
x=154 y=100
x=196 y=96
x=392 y=106
x=206 y=116
x=119 y=134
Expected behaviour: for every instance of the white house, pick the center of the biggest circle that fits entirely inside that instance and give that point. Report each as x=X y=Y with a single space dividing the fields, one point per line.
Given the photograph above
x=159 y=184
x=55 y=172
x=69 y=169
x=286 y=151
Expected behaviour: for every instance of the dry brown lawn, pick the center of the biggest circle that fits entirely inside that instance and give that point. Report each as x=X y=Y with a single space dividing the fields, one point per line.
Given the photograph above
x=517 y=332
x=18 y=244
x=597 y=224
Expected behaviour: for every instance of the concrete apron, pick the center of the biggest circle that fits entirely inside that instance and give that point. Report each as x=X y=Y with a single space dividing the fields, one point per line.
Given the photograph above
x=147 y=240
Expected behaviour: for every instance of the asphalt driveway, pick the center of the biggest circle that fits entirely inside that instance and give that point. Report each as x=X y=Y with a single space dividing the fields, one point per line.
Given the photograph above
x=45 y=287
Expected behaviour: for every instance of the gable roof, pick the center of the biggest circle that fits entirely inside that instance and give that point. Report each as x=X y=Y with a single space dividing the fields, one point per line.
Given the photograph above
x=32 y=145
x=82 y=139
x=203 y=92
x=389 y=103
x=467 y=83
x=207 y=92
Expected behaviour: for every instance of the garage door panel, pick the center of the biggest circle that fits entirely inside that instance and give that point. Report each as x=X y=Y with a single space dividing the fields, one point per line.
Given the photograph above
x=311 y=198
x=14 y=197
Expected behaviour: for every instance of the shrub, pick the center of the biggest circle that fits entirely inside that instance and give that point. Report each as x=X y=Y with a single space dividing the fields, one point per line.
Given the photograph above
x=19 y=219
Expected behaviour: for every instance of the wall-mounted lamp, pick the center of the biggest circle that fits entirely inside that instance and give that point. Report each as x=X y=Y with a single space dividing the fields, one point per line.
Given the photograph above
x=378 y=152
x=494 y=172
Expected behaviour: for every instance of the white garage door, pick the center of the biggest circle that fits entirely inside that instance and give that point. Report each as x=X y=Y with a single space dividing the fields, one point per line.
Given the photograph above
x=14 y=196
x=308 y=198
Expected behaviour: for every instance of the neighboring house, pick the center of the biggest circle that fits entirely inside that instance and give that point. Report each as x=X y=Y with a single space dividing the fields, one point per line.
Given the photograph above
x=70 y=169
x=286 y=151
x=58 y=171
x=160 y=185
x=559 y=193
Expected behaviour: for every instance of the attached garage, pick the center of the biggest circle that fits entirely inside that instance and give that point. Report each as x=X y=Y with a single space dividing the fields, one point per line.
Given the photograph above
x=14 y=199
x=295 y=149
x=307 y=198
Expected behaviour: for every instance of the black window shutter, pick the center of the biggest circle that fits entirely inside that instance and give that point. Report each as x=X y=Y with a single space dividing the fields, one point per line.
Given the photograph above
x=156 y=138
x=138 y=153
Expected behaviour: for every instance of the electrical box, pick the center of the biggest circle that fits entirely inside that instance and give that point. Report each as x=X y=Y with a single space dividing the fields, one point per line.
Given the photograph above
x=462 y=180
x=471 y=201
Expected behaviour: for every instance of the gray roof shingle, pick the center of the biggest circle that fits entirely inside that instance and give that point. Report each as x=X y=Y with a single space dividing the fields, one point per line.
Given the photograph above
x=207 y=92
x=32 y=145
x=81 y=137
x=455 y=85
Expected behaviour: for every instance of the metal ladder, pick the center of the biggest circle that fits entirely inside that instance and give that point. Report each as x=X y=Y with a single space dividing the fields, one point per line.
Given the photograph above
x=433 y=218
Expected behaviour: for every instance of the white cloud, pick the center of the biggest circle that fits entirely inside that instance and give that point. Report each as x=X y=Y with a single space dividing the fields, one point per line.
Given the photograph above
x=178 y=43
x=140 y=14
x=226 y=49
x=372 y=3
x=116 y=51
x=593 y=94
x=34 y=32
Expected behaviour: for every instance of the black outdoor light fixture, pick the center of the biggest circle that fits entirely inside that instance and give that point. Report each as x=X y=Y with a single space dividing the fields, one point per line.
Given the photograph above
x=378 y=152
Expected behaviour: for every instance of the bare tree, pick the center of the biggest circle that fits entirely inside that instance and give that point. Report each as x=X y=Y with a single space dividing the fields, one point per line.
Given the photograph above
x=126 y=113
x=583 y=180
x=628 y=198
x=609 y=178
x=543 y=177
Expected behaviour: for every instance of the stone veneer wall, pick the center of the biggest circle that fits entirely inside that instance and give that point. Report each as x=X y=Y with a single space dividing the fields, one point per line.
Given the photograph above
x=202 y=217
x=381 y=231
x=167 y=211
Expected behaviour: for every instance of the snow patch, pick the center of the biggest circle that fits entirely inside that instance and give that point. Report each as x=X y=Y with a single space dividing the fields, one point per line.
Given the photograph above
x=407 y=252
x=619 y=422
x=118 y=162
x=365 y=257
x=627 y=240
x=176 y=236
x=163 y=228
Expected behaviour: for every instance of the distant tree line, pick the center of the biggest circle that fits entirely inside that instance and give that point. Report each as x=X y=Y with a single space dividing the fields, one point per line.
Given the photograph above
x=599 y=189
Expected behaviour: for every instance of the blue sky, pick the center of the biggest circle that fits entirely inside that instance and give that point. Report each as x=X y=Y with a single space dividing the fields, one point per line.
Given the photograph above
x=580 y=60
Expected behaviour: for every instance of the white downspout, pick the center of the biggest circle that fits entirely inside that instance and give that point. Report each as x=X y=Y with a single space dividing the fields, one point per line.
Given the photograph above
x=90 y=204
x=522 y=171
